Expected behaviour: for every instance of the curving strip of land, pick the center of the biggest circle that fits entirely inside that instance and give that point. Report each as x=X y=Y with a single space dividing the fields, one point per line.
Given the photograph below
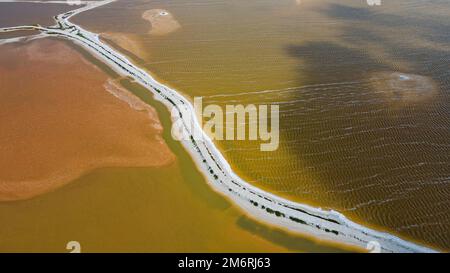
x=299 y=218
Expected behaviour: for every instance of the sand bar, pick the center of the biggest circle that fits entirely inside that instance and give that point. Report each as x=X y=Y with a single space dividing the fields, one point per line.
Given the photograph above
x=162 y=21
x=65 y=119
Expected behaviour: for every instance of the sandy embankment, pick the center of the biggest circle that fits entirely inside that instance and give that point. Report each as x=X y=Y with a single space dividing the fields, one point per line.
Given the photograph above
x=162 y=21
x=61 y=117
x=129 y=42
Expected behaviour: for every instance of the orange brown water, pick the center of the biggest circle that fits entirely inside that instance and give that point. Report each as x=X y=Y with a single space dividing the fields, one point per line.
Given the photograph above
x=58 y=121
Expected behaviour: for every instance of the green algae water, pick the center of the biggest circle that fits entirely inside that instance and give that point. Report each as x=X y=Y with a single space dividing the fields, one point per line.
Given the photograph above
x=363 y=92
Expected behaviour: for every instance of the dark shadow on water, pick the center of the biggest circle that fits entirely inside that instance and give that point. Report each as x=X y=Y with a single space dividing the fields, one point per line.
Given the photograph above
x=432 y=24
x=326 y=62
x=340 y=129
x=282 y=238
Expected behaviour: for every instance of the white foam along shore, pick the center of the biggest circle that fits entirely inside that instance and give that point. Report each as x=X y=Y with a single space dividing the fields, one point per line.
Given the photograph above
x=261 y=205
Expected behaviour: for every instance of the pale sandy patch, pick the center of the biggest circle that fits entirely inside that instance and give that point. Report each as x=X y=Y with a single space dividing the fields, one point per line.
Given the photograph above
x=58 y=121
x=403 y=88
x=162 y=21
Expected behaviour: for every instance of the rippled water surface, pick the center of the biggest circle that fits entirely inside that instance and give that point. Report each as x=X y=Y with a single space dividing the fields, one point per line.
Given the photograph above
x=364 y=94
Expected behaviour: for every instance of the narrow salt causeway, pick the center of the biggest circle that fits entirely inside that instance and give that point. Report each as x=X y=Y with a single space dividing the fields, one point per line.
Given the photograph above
x=162 y=21
x=396 y=87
